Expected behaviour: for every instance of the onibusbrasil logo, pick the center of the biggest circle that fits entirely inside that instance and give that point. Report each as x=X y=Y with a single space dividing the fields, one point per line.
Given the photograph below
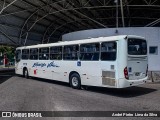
x=21 y=114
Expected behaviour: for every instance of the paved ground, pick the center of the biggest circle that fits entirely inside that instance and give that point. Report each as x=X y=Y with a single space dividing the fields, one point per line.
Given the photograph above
x=20 y=94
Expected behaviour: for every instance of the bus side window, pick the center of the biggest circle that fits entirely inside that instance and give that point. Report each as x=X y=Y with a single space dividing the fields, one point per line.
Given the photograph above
x=44 y=53
x=71 y=52
x=56 y=53
x=108 y=51
x=33 y=53
x=25 y=54
x=89 y=52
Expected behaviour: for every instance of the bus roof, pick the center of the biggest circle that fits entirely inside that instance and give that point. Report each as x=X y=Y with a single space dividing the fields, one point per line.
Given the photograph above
x=89 y=40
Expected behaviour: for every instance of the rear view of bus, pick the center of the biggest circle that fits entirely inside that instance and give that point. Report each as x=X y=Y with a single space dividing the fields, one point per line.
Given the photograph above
x=135 y=72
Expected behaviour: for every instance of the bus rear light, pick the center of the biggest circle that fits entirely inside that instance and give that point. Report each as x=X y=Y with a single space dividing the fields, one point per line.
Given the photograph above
x=126 y=73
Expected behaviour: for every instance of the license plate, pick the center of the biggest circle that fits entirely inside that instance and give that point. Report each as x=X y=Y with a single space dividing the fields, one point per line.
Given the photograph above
x=137 y=74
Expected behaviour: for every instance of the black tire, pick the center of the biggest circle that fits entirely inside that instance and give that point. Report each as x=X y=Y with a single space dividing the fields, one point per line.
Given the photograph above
x=75 y=81
x=25 y=73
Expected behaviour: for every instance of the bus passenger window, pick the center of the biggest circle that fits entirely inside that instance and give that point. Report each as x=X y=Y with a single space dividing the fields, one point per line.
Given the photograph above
x=89 y=52
x=108 y=51
x=43 y=53
x=25 y=54
x=71 y=52
x=56 y=53
x=33 y=53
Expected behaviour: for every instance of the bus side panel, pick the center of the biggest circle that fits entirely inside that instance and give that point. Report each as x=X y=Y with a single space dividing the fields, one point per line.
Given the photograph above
x=122 y=62
x=60 y=71
x=44 y=71
x=49 y=69
x=18 y=68
x=31 y=69
x=90 y=73
x=108 y=73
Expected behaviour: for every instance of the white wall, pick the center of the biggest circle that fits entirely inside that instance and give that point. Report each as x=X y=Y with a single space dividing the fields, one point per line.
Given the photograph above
x=152 y=34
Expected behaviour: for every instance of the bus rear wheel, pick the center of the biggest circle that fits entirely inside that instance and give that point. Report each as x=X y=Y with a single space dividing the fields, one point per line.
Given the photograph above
x=75 y=81
x=25 y=73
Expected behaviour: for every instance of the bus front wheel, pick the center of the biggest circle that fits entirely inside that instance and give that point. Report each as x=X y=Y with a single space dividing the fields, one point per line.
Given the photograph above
x=25 y=73
x=75 y=81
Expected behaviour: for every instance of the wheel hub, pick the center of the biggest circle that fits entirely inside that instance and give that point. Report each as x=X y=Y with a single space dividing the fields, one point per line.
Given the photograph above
x=74 y=81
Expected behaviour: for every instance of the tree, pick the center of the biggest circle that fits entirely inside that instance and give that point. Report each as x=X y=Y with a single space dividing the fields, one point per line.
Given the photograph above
x=8 y=50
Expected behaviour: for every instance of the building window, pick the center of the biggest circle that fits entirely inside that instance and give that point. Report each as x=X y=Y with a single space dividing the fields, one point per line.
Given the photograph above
x=153 y=50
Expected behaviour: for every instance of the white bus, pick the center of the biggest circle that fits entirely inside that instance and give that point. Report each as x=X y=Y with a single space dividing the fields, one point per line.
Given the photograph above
x=115 y=62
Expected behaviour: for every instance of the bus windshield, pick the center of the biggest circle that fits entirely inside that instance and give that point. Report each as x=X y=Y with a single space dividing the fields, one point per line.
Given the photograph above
x=137 y=46
x=18 y=55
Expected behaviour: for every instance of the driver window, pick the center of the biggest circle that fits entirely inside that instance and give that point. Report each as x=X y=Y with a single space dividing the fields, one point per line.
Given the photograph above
x=18 y=55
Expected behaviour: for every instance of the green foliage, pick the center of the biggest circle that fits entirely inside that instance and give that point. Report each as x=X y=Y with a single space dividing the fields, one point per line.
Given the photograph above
x=8 y=50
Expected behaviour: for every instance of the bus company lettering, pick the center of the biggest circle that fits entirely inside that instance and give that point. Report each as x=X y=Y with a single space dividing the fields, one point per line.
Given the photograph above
x=37 y=64
x=51 y=64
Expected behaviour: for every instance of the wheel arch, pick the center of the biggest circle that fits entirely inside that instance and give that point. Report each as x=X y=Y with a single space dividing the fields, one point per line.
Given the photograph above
x=24 y=68
x=72 y=72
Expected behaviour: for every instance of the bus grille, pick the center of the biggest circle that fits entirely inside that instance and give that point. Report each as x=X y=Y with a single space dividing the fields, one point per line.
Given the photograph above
x=108 y=78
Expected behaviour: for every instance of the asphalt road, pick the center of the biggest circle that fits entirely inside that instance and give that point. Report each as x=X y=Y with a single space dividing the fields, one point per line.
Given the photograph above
x=20 y=94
